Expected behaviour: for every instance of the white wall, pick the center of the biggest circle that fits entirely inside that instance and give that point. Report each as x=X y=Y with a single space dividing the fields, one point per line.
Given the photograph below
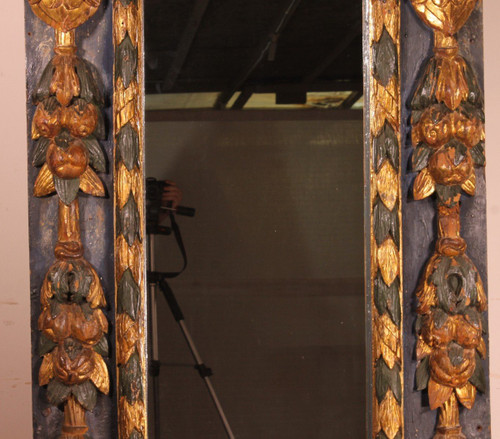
x=15 y=362
x=15 y=410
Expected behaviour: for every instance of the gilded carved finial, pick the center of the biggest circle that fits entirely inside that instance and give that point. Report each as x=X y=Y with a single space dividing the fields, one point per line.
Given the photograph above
x=64 y=15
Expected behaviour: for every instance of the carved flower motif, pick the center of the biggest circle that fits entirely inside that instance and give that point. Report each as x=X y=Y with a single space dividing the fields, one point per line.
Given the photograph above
x=71 y=322
x=73 y=363
x=68 y=162
x=445 y=170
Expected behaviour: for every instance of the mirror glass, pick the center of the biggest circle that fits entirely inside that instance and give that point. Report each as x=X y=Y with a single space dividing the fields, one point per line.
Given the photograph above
x=255 y=112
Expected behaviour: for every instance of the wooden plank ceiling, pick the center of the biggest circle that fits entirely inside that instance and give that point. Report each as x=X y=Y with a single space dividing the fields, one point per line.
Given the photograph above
x=235 y=49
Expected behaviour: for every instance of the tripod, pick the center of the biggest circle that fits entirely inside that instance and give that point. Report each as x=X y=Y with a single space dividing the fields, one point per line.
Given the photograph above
x=157 y=281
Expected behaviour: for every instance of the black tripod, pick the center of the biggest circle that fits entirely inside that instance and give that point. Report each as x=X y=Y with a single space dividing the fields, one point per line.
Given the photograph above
x=159 y=280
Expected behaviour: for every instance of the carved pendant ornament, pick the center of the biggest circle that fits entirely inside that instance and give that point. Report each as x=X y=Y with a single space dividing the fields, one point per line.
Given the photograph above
x=66 y=127
x=448 y=139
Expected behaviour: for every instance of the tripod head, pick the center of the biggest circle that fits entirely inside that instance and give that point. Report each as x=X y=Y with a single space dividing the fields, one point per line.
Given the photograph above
x=154 y=208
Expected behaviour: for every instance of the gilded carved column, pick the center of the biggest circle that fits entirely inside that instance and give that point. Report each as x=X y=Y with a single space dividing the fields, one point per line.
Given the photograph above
x=131 y=316
x=66 y=127
x=385 y=215
x=448 y=139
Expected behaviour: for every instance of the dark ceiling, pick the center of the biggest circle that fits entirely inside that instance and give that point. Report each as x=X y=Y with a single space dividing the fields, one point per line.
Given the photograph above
x=287 y=47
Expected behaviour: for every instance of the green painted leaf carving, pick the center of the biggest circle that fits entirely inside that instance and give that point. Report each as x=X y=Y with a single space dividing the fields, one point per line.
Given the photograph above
x=126 y=61
x=128 y=146
x=425 y=95
x=87 y=310
x=439 y=317
x=385 y=58
x=136 y=435
x=418 y=324
x=40 y=151
x=455 y=353
x=57 y=392
x=100 y=130
x=387 y=299
x=477 y=154
x=394 y=303
x=469 y=273
x=475 y=94
x=473 y=317
x=129 y=294
x=129 y=220
x=420 y=157
x=89 y=89
x=64 y=139
x=385 y=222
x=447 y=193
x=478 y=378
x=386 y=145
x=131 y=379
x=386 y=379
x=102 y=347
x=438 y=277
x=55 y=308
x=42 y=90
x=45 y=345
x=379 y=294
x=423 y=374
x=460 y=151
x=67 y=189
x=86 y=394
x=97 y=158
x=76 y=281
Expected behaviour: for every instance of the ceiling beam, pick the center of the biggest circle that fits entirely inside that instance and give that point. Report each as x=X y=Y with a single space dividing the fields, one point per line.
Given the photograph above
x=351 y=99
x=251 y=115
x=243 y=98
x=355 y=31
x=255 y=87
x=269 y=42
x=185 y=43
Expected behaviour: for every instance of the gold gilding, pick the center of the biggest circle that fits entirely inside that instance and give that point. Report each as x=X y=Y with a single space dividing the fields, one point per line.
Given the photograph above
x=388 y=185
x=388 y=260
x=64 y=15
x=390 y=415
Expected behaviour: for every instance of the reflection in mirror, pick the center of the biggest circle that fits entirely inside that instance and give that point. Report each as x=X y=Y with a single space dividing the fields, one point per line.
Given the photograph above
x=254 y=110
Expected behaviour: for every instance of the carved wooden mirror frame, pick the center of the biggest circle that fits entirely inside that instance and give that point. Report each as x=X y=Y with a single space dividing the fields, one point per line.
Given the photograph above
x=87 y=118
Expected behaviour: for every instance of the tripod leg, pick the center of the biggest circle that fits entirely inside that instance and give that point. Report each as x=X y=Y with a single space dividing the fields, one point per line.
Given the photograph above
x=204 y=371
x=154 y=367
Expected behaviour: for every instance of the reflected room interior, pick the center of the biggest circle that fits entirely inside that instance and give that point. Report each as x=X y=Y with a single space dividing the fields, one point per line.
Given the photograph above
x=255 y=110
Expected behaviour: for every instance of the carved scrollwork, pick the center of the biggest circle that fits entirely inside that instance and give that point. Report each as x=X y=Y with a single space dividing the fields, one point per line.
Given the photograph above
x=448 y=137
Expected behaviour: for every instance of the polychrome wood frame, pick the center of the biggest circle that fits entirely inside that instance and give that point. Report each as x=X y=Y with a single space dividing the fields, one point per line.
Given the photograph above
x=448 y=100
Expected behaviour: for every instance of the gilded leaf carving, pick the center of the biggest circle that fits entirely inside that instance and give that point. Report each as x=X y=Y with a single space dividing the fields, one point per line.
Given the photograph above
x=424 y=185
x=44 y=184
x=388 y=261
x=388 y=185
x=390 y=416
x=388 y=340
